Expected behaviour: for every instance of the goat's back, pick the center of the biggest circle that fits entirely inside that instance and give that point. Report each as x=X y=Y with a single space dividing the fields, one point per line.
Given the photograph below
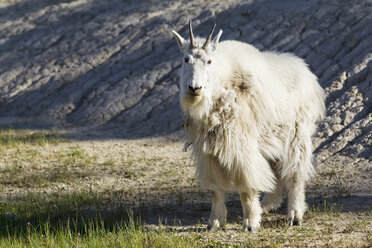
x=283 y=80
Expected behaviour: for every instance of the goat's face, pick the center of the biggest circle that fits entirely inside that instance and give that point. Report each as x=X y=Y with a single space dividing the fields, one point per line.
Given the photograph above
x=196 y=79
x=195 y=74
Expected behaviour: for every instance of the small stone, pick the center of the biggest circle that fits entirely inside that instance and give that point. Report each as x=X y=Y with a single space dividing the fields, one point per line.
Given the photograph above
x=9 y=215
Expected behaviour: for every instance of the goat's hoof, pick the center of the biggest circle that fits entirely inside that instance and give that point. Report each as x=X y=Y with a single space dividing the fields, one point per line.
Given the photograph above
x=295 y=222
x=251 y=229
x=290 y=222
x=212 y=228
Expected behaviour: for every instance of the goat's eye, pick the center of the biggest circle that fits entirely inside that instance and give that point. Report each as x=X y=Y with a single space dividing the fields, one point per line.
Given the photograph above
x=187 y=60
x=209 y=61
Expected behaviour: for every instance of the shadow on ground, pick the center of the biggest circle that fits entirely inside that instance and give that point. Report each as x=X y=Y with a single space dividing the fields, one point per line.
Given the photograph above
x=174 y=213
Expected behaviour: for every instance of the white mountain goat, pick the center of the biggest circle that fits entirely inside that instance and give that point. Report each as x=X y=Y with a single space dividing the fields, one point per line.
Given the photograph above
x=249 y=116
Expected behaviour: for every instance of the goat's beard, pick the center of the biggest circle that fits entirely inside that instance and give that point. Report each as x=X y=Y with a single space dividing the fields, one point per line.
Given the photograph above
x=195 y=107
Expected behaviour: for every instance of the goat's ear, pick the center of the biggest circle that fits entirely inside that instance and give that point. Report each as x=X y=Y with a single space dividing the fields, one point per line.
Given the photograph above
x=180 y=41
x=217 y=38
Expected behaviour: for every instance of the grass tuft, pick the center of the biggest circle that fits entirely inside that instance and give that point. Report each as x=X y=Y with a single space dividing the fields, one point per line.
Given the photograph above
x=325 y=208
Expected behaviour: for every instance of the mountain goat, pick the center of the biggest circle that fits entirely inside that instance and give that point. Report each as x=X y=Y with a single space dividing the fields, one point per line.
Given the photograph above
x=249 y=116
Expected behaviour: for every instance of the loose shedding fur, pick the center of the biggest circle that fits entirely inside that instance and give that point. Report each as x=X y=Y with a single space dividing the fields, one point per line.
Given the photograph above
x=249 y=116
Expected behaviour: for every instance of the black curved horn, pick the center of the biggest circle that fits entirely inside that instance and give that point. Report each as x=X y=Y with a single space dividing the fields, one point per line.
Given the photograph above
x=209 y=38
x=192 y=41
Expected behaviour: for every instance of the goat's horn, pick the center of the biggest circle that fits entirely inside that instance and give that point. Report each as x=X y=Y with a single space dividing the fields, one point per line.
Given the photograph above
x=208 y=40
x=192 y=41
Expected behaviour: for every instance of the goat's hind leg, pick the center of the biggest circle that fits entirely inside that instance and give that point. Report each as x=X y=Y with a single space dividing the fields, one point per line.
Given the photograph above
x=296 y=200
x=218 y=215
x=273 y=200
x=302 y=169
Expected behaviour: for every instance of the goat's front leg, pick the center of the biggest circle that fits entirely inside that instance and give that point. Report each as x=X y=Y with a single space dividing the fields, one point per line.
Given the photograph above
x=251 y=209
x=218 y=215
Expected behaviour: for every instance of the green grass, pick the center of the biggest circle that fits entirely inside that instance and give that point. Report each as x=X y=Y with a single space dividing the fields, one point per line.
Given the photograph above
x=74 y=219
x=94 y=232
x=325 y=208
x=11 y=138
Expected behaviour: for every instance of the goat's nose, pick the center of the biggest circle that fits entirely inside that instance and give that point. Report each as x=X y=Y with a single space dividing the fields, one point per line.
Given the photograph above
x=194 y=89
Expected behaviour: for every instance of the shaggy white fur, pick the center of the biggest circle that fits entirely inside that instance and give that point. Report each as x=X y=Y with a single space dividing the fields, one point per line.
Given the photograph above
x=249 y=116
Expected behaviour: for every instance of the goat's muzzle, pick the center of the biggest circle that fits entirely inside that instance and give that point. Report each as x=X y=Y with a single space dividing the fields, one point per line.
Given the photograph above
x=193 y=91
